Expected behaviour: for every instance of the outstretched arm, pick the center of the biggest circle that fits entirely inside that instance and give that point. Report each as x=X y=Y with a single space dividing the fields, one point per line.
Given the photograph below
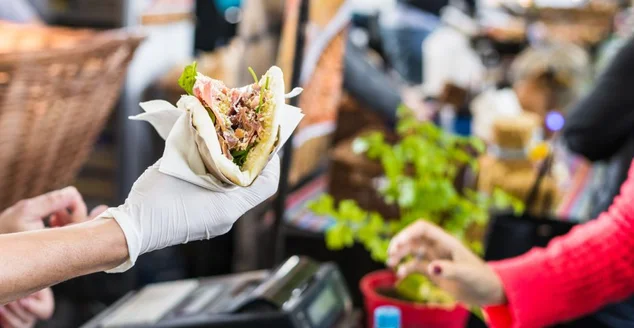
x=160 y=211
x=30 y=261
x=576 y=274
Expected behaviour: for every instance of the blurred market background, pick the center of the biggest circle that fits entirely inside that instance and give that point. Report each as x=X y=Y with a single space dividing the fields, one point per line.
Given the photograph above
x=498 y=76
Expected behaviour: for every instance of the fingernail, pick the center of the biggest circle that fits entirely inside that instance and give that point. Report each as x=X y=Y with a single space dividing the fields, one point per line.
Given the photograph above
x=436 y=270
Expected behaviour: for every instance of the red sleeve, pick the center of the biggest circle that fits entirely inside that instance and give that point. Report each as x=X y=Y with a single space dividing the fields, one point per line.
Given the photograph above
x=576 y=274
x=498 y=316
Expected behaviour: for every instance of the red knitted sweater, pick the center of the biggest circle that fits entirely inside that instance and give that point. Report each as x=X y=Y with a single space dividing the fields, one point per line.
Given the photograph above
x=576 y=274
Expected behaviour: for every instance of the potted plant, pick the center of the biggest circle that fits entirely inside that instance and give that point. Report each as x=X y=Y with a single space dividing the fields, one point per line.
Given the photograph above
x=420 y=173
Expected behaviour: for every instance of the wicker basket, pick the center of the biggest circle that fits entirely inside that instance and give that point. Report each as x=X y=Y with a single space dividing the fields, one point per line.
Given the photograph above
x=354 y=118
x=53 y=104
x=352 y=176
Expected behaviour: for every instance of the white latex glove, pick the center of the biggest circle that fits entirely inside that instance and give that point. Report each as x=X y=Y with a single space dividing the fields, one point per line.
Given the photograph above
x=163 y=211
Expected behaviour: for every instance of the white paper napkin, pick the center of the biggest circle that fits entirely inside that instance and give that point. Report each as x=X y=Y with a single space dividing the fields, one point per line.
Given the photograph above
x=181 y=158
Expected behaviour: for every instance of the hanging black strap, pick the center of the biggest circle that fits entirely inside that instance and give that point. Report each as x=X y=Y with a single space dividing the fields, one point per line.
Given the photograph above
x=531 y=198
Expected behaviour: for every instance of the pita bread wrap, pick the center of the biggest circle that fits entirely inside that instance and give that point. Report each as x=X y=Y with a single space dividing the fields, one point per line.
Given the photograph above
x=229 y=158
x=236 y=130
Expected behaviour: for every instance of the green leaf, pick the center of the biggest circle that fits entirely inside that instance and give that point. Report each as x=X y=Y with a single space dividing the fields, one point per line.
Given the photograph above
x=240 y=156
x=339 y=236
x=211 y=114
x=376 y=220
x=376 y=145
x=188 y=78
x=392 y=164
x=372 y=229
x=378 y=249
x=394 y=227
x=402 y=111
x=461 y=156
x=360 y=145
x=407 y=192
x=477 y=144
x=518 y=206
x=324 y=205
x=349 y=210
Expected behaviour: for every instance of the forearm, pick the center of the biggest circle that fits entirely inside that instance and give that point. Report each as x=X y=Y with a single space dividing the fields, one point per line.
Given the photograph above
x=575 y=275
x=31 y=261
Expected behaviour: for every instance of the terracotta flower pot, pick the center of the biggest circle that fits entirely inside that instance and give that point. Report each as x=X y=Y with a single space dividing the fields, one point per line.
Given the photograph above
x=412 y=315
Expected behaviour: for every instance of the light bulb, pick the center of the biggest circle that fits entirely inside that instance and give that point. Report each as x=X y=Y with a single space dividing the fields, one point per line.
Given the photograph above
x=554 y=121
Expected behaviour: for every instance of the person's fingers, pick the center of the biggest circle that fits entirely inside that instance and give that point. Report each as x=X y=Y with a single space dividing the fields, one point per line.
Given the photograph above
x=426 y=230
x=52 y=202
x=97 y=211
x=40 y=304
x=77 y=210
x=59 y=219
x=64 y=218
x=420 y=231
x=417 y=248
x=465 y=276
x=447 y=270
x=410 y=267
x=10 y=320
x=20 y=312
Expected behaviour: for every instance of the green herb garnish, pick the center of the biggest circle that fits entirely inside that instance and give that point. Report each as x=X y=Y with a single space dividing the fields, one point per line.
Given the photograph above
x=188 y=78
x=266 y=87
x=211 y=114
x=255 y=77
x=240 y=156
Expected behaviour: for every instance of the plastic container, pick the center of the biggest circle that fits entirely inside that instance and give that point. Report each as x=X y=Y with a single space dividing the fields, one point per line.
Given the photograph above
x=387 y=316
x=412 y=315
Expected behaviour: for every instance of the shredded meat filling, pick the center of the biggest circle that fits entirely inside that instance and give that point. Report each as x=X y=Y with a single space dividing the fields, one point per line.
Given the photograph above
x=240 y=125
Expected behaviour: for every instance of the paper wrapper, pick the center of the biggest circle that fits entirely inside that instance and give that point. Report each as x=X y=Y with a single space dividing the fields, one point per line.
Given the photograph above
x=181 y=158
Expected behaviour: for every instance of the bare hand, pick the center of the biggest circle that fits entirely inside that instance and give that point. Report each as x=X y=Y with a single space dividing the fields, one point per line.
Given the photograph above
x=27 y=311
x=65 y=206
x=447 y=262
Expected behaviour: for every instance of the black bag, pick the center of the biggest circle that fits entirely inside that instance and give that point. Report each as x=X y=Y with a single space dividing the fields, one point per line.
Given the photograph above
x=509 y=235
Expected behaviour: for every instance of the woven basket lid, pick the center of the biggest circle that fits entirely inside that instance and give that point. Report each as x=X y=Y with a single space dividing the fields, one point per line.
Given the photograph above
x=515 y=132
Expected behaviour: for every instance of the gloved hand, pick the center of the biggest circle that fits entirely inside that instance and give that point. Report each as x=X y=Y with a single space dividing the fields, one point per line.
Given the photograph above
x=162 y=211
x=447 y=262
